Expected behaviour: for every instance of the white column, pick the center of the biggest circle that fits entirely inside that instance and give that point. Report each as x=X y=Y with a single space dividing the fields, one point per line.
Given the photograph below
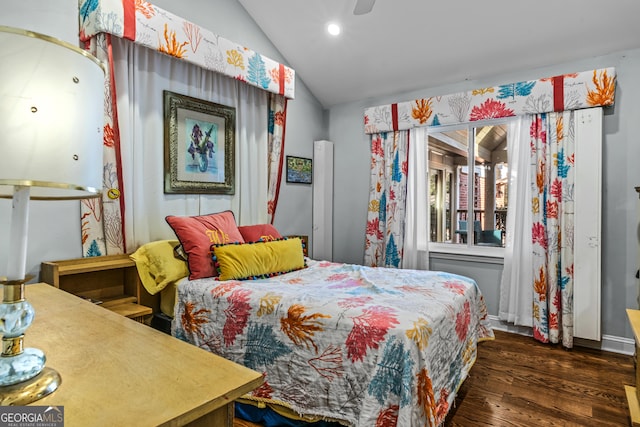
x=322 y=237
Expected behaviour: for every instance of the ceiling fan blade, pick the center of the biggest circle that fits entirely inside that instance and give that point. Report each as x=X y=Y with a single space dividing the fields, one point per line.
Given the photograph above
x=363 y=6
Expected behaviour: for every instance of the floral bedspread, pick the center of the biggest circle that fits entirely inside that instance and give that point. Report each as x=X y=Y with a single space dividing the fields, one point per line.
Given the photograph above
x=368 y=346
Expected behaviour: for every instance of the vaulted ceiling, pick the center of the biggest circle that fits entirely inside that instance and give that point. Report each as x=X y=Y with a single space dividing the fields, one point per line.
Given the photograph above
x=404 y=45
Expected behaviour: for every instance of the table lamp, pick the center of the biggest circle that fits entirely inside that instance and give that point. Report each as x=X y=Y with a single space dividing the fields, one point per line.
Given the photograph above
x=51 y=142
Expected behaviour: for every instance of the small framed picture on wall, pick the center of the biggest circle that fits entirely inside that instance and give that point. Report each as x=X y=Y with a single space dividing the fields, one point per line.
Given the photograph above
x=299 y=170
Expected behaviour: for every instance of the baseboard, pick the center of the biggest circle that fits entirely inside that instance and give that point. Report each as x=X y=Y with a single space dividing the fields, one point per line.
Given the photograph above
x=609 y=343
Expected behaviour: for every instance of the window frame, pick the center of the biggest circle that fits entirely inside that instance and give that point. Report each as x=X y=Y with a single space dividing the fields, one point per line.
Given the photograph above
x=469 y=248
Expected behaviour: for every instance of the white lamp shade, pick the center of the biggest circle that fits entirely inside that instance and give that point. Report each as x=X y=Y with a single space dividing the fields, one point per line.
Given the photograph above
x=51 y=117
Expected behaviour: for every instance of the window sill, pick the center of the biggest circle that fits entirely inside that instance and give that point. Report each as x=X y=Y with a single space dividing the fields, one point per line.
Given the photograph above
x=485 y=254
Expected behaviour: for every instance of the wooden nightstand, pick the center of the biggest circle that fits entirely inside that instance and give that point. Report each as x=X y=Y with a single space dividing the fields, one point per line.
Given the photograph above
x=120 y=373
x=109 y=281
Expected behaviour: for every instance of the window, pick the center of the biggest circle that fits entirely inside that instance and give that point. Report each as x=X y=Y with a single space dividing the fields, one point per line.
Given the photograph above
x=468 y=175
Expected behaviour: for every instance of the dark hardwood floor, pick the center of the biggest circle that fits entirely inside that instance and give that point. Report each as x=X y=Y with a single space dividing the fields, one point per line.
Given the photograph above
x=517 y=381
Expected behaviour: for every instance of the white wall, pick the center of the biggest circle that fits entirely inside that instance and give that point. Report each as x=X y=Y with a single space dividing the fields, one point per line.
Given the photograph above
x=54 y=230
x=55 y=18
x=621 y=154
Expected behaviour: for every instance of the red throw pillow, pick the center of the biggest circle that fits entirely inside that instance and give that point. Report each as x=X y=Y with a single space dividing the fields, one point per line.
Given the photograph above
x=259 y=232
x=198 y=233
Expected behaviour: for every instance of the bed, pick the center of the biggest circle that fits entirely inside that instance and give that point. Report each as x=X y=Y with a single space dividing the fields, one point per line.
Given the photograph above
x=364 y=346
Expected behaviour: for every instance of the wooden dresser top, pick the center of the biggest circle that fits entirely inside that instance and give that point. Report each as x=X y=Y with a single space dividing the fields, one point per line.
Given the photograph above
x=116 y=371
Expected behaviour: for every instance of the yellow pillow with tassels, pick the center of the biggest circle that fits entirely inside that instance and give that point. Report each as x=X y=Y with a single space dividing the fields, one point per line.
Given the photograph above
x=258 y=260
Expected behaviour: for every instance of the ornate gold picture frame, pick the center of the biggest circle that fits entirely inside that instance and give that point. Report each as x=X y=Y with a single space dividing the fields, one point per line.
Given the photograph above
x=199 y=146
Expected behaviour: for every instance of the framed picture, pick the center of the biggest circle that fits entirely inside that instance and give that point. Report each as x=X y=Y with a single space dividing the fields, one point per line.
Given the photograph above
x=199 y=146
x=299 y=170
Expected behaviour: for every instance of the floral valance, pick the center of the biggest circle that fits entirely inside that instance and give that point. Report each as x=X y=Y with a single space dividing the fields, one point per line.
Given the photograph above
x=150 y=26
x=566 y=92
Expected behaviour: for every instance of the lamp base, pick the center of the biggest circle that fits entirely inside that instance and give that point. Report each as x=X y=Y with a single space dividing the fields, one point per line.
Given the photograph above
x=46 y=382
x=22 y=366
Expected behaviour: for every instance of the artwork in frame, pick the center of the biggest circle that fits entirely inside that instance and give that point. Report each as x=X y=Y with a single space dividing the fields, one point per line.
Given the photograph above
x=299 y=170
x=199 y=146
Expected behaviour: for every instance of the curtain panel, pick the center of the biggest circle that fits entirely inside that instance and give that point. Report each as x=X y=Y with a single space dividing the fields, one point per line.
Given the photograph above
x=104 y=221
x=552 y=181
x=537 y=281
x=416 y=235
x=277 y=121
x=384 y=240
x=516 y=298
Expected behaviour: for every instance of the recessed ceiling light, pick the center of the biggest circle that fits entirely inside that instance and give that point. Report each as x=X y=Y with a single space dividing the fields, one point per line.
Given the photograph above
x=333 y=29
